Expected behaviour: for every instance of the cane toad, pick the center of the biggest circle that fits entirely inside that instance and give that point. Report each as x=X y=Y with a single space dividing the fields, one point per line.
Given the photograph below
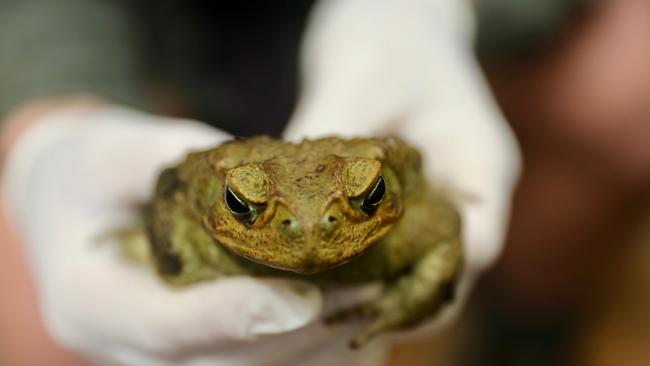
x=332 y=211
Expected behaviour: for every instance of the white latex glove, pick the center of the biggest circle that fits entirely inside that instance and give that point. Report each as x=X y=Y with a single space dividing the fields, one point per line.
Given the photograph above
x=74 y=177
x=406 y=67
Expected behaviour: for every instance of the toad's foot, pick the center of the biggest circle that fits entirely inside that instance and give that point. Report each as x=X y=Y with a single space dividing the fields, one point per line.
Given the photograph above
x=361 y=311
x=410 y=300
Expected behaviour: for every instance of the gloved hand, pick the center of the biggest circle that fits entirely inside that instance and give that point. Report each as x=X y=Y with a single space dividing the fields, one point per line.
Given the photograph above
x=75 y=176
x=377 y=67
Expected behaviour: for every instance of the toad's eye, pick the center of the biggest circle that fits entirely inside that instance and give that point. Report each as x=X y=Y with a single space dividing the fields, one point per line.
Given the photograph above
x=374 y=197
x=237 y=206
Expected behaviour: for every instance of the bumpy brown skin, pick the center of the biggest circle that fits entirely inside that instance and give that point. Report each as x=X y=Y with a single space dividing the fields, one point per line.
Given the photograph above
x=307 y=221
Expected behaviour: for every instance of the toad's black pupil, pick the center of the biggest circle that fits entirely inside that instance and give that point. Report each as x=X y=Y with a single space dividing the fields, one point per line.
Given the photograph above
x=376 y=195
x=236 y=204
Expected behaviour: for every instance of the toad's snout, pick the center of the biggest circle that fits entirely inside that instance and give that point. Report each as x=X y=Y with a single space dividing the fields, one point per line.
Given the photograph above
x=310 y=241
x=325 y=227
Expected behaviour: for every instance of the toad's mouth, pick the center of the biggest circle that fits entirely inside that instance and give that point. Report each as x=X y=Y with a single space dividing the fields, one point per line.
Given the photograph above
x=297 y=263
x=306 y=268
x=306 y=260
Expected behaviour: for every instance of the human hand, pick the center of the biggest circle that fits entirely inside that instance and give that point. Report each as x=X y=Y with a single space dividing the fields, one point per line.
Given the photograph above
x=76 y=175
x=407 y=68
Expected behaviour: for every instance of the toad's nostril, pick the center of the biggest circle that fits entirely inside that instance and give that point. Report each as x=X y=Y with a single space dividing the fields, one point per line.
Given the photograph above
x=290 y=227
x=329 y=224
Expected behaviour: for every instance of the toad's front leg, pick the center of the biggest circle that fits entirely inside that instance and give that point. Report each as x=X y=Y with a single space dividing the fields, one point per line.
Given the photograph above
x=416 y=295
